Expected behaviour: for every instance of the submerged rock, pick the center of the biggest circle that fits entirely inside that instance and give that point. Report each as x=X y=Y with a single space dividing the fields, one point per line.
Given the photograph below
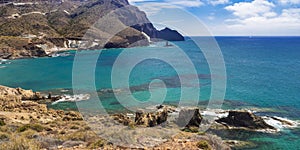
x=244 y=119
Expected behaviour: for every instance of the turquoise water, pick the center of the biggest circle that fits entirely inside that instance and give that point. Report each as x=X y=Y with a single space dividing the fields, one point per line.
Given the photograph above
x=261 y=72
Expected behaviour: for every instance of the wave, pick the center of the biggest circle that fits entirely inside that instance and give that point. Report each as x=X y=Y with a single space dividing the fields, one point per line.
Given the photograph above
x=4 y=62
x=280 y=123
x=2 y=67
x=64 y=54
x=64 y=91
x=72 y=98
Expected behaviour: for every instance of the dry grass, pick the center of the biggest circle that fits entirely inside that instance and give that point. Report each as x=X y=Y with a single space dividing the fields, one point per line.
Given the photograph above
x=80 y=135
x=18 y=142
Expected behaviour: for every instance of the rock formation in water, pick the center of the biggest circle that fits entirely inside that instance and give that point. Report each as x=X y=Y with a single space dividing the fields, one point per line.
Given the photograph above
x=31 y=29
x=244 y=119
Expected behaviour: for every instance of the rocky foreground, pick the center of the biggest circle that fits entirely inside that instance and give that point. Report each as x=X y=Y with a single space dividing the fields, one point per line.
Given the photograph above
x=27 y=124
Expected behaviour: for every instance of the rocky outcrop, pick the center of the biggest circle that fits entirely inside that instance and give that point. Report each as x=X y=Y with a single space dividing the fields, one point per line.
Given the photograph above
x=169 y=35
x=189 y=118
x=13 y=99
x=244 y=119
x=23 y=101
x=151 y=119
x=18 y=94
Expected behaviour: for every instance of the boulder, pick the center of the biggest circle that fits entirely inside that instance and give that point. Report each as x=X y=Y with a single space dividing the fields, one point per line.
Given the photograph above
x=151 y=119
x=244 y=119
x=189 y=118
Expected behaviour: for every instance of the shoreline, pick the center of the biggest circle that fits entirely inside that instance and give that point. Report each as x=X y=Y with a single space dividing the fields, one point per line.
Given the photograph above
x=52 y=52
x=127 y=117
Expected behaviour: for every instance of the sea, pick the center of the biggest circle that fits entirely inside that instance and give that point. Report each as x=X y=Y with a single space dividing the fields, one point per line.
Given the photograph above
x=262 y=74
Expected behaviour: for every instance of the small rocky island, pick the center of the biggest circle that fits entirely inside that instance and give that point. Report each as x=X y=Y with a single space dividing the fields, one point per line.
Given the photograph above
x=27 y=123
x=40 y=28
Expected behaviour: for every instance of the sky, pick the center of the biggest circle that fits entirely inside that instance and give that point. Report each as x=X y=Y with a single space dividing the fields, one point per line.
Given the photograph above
x=225 y=17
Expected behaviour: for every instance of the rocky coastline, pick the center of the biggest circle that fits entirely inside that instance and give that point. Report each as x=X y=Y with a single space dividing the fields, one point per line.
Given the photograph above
x=32 y=29
x=23 y=115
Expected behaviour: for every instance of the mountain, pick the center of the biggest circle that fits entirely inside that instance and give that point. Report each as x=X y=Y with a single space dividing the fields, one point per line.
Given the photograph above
x=33 y=29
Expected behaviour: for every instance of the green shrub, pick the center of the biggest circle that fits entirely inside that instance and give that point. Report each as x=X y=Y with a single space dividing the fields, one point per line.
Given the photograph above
x=35 y=127
x=191 y=129
x=201 y=133
x=74 y=127
x=97 y=144
x=203 y=145
x=2 y=123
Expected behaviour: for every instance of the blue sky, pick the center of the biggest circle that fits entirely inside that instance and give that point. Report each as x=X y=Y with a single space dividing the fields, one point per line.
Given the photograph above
x=225 y=17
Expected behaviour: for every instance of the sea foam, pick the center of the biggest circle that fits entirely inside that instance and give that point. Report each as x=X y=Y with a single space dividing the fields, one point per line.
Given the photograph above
x=73 y=98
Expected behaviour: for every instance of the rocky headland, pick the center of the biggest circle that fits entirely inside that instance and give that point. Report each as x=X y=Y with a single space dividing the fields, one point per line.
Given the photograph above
x=41 y=28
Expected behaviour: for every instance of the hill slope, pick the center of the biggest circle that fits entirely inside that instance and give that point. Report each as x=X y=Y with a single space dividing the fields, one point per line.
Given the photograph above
x=38 y=29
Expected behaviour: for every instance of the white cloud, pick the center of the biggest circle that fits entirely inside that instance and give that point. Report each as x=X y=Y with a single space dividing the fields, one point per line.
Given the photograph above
x=180 y=3
x=154 y=8
x=251 y=9
x=137 y=1
x=258 y=18
x=289 y=1
x=186 y=3
x=218 y=2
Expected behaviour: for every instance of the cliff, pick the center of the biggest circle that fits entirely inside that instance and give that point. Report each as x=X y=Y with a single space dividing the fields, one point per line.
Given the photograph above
x=34 y=29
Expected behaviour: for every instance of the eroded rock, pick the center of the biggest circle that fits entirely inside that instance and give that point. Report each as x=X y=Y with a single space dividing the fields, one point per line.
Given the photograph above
x=151 y=119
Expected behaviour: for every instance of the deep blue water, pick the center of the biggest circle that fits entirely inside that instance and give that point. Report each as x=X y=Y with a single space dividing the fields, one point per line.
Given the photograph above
x=261 y=72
